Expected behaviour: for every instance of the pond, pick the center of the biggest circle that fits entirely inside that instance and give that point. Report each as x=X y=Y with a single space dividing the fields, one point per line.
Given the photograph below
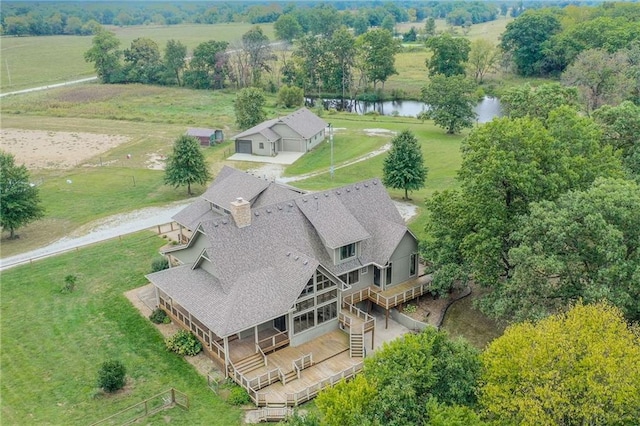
x=487 y=109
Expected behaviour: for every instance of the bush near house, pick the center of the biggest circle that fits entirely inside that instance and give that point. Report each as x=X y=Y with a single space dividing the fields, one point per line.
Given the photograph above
x=184 y=343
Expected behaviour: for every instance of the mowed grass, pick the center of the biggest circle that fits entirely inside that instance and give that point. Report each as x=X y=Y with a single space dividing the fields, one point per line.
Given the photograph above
x=53 y=344
x=37 y=61
x=441 y=153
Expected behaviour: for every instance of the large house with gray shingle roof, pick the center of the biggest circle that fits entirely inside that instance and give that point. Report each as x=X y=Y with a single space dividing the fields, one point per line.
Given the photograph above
x=272 y=267
x=299 y=131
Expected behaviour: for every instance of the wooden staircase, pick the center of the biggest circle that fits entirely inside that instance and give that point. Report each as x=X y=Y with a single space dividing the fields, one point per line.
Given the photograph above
x=356 y=344
x=291 y=375
x=250 y=363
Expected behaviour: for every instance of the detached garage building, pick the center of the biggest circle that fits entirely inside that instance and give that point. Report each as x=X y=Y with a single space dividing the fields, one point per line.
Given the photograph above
x=299 y=131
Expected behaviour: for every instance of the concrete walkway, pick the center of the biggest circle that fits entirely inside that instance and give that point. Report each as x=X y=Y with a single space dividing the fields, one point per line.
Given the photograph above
x=284 y=157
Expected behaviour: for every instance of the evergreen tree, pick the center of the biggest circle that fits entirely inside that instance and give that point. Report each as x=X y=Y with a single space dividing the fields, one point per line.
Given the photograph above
x=19 y=200
x=187 y=164
x=404 y=166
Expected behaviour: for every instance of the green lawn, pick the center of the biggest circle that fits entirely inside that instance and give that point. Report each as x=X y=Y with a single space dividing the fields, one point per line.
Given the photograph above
x=54 y=343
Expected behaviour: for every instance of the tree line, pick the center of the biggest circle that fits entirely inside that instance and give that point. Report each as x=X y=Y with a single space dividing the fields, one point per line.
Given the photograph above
x=53 y=18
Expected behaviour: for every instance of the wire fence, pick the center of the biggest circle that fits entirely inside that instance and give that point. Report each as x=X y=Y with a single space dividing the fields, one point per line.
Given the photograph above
x=162 y=401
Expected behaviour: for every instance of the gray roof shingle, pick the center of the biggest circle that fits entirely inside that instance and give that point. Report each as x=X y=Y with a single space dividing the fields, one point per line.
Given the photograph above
x=261 y=269
x=303 y=122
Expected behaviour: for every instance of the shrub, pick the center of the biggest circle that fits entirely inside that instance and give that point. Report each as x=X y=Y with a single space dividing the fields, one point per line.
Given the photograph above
x=111 y=376
x=159 y=264
x=69 y=284
x=158 y=316
x=238 y=396
x=184 y=343
x=410 y=309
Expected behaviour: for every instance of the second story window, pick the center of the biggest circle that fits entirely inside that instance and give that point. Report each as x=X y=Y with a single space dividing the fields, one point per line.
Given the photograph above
x=347 y=251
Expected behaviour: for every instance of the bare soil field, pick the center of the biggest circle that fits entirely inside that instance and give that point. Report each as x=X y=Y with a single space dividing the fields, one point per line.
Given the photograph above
x=39 y=149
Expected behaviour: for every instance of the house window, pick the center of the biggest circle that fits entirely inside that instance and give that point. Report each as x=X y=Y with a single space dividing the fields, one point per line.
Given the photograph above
x=413 y=267
x=351 y=277
x=327 y=312
x=308 y=289
x=323 y=281
x=304 y=305
x=389 y=274
x=304 y=321
x=347 y=251
x=325 y=297
x=261 y=145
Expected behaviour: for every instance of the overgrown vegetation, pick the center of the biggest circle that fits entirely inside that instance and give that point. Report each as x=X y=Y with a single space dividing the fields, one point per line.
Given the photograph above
x=159 y=264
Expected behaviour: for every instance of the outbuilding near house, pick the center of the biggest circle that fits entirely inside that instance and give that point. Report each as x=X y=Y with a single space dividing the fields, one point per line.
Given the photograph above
x=207 y=137
x=299 y=131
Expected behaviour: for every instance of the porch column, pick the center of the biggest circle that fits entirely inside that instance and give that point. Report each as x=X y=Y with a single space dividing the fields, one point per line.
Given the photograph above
x=226 y=356
x=255 y=333
x=179 y=234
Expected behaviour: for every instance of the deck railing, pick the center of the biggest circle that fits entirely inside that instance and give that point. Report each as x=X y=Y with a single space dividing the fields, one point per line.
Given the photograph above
x=265 y=379
x=273 y=414
x=387 y=302
x=264 y=357
x=301 y=363
x=274 y=342
x=297 y=398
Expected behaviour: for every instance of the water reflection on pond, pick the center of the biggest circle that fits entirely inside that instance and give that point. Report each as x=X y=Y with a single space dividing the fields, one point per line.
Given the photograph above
x=487 y=109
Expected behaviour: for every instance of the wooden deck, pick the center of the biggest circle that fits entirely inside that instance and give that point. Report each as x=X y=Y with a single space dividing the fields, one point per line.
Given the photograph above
x=394 y=296
x=327 y=362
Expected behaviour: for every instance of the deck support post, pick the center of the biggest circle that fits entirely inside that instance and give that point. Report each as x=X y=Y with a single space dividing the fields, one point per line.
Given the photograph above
x=386 y=319
x=373 y=336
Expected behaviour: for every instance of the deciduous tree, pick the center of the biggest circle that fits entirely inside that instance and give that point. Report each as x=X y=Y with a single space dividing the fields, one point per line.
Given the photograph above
x=451 y=101
x=105 y=56
x=209 y=66
x=19 y=199
x=524 y=38
x=621 y=129
x=256 y=45
x=377 y=52
x=576 y=368
x=404 y=166
x=142 y=61
x=522 y=101
x=248 y=105
x=402 y=379
x=175 y=56
x=483 y=58
x=506 y=165
x=287 y=28
x=600 y=77
x=449 y=55
x=585 y=245
x=186 y=165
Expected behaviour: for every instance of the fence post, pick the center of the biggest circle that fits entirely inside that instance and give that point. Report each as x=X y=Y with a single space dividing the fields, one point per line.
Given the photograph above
x=173 y=396
x=146 y=408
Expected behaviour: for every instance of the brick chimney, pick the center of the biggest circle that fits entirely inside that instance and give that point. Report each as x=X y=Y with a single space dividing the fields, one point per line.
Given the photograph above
x=241 y=212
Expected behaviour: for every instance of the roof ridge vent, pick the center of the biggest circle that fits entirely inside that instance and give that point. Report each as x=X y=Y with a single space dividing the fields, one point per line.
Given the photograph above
x=375 y=182
x=366 y=185
x=279 y=207
x=338 y=192
x=257 y=213
x=348 y=189
x=315 y=197
x=357 y=187
x=305 y=262
x=326 y=194
x=296 y=258
x=268 y=210
x=224 y=221
x=288 y=253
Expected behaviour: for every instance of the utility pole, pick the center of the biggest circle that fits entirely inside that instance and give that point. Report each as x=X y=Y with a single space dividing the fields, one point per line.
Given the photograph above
x=331 y=142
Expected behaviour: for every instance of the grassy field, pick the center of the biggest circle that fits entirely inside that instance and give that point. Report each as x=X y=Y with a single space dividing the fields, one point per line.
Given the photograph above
x=38 y=61
x=54 y=343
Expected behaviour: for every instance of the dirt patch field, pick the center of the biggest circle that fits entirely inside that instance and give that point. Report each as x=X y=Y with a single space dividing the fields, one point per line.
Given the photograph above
x=39 y=149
